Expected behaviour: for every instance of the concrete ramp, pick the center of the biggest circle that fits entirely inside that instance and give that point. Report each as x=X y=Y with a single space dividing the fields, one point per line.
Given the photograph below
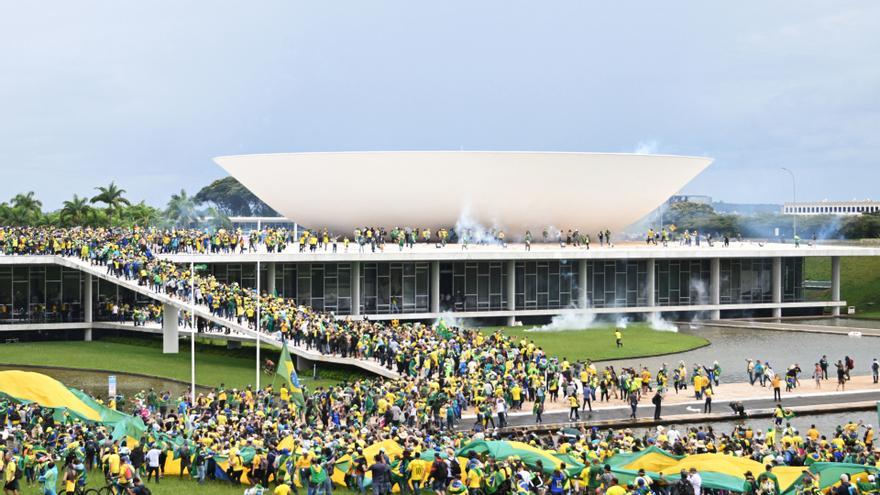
x=305 y=356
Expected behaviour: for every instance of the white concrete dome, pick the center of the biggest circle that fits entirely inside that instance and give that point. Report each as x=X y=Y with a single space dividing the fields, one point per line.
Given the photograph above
x=514 y=191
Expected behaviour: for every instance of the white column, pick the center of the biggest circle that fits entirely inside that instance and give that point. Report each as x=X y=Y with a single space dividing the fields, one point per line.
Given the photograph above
x=170 y=330
x=715 y=287
x=649 y=283
x=270 y=277
x=582 y=284
x=356 y=288
x=835 y=284
x=511 y=291
x=435 y=286
x=776 y=285
x=87 y=306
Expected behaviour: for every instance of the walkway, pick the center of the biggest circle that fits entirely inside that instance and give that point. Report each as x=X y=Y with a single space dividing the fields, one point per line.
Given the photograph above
x=683 y=407
x=203 y=312
x=792 y=327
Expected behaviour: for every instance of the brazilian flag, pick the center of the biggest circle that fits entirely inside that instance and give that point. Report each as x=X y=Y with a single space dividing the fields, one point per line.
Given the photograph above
x=288 y=373
x=443 y=330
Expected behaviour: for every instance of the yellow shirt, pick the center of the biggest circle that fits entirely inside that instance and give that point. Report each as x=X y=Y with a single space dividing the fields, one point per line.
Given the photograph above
x=9 y=471
x=113 y=463
x=615 y=490
x=282 y=490
x=474 y=478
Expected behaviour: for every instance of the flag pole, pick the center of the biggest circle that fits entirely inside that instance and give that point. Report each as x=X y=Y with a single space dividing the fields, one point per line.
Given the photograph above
x=192 y=334
x=258 y=325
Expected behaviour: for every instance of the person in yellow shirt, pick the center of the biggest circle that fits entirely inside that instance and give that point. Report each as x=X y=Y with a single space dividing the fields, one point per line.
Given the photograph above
x=112 y=461
x=615 y=489
x=282 y=489
x=10 y=483
x=813 y=434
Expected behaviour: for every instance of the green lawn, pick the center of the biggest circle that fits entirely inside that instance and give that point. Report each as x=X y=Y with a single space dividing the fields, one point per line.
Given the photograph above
x=215 y=363
x=599 y=344
x=859 y=282
x=174 y=485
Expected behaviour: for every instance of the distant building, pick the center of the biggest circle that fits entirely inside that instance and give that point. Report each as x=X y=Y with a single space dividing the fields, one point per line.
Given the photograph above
x=746 y=208
x=826 y=207
x=247 y=224
x=690 y=198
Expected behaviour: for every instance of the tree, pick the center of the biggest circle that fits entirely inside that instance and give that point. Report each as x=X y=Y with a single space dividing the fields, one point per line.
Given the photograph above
x=28 y=203
x=112 y=196
x=75 y=211
x=24 y=209
x=702 y=217
x=232 y=198
x=864 y=226
x=140 y=214
x=183 y=210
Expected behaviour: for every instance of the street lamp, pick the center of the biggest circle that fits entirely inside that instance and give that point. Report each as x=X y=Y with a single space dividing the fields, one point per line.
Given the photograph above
x=794 y=200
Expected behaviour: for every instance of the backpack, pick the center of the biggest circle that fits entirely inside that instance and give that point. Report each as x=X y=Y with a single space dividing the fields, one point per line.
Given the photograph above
x=684 y=488
x=456 y=469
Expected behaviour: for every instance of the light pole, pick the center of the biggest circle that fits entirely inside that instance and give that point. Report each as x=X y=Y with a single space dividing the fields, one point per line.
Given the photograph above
x=794 y=201
x=192 y=335
x=258 y=325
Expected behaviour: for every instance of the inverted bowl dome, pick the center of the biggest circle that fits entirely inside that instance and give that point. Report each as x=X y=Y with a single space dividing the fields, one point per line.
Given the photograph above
x=514 y=191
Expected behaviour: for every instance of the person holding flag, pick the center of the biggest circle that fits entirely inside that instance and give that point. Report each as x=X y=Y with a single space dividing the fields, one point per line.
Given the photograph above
x=288 y=373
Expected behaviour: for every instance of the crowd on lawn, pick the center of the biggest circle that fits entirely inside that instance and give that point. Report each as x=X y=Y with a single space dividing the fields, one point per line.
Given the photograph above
x=444 y=372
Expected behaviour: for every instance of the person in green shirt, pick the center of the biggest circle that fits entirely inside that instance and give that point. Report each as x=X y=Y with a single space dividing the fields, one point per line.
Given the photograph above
x=595 y=476
x=750 y=486
x=766 y=478
x=317 y=477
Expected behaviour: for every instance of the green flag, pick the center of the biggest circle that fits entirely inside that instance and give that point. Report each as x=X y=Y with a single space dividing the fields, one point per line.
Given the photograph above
x=443 y=330
x=288 y=373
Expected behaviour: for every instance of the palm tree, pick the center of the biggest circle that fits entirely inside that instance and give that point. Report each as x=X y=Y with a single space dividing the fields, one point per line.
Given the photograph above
x=28 y=203
x=182 y=210
x=141 y=214
x=75 y=211
x=112 y=197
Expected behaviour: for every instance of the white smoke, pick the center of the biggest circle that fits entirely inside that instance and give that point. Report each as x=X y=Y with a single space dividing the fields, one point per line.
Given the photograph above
x=567 y=321
x=648 y=147
x=468 y=227
x=658 y=323
x=699 y=287
x=622 y=322
x=450 y=320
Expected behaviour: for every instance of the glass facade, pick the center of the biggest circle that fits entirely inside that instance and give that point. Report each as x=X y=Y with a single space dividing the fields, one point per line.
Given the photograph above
x=50 y=293
x=473 y=286
x=324 y=286
x=395 y=288
x=40 y=293
x=681 y=282
x=746 y=280
x=792 y=279
x=105 y=294
x=617 y=283
x=546 y=284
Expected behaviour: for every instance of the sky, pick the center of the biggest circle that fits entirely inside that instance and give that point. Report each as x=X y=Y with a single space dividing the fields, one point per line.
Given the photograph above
x=146 y=93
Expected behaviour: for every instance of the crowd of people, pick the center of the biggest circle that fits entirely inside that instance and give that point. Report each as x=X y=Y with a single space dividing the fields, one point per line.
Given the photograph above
x=445 y=372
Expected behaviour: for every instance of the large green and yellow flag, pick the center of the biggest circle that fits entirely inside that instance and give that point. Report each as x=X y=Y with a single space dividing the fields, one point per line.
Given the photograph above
x=288 y=373
x=67 y=403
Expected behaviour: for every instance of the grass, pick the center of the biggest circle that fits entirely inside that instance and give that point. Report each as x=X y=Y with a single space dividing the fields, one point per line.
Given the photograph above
x=598 y=343
x=859 y=281
x=173 y=485
x=215 y=363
